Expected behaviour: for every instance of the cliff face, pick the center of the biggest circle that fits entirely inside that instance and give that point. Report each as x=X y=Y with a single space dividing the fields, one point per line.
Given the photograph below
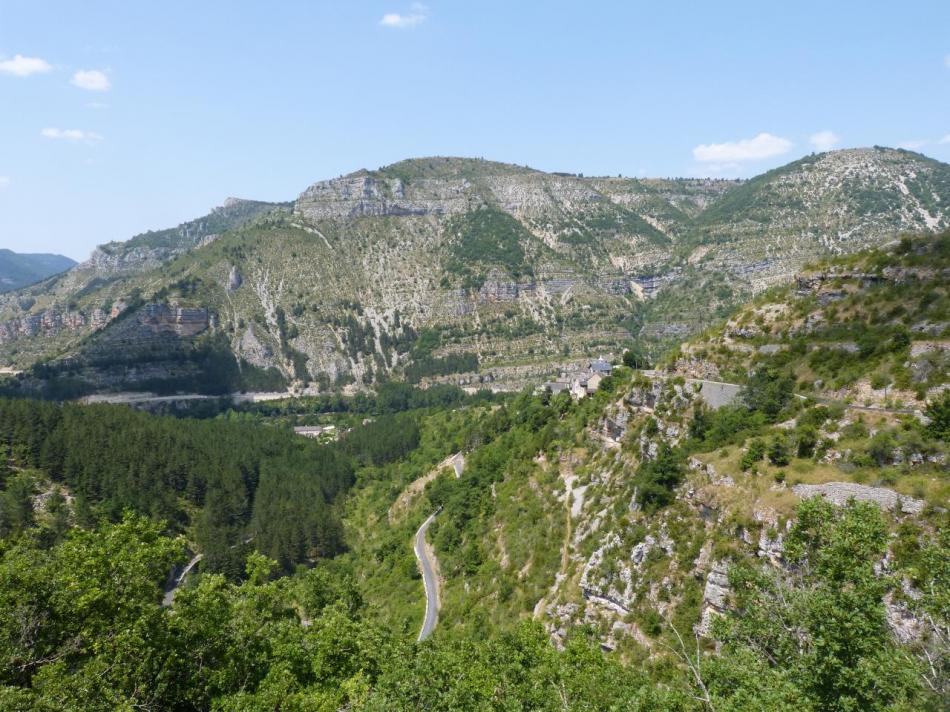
x=50 y=322
x=363 y=195
x=517 y=267
x=184 y=322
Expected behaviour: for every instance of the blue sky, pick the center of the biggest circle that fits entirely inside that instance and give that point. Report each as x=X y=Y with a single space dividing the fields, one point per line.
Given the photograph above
x=124 y=116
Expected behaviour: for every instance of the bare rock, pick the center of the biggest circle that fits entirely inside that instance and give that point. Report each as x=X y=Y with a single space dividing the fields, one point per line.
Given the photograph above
x=715 y=596
x=234 y=279
x=839 y=493
x=905 y=626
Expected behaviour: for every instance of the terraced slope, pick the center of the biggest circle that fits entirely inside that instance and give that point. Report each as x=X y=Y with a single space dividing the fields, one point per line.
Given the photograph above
x=871 y=329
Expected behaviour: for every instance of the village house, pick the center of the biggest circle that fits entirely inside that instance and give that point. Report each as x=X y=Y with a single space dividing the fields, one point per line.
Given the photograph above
x=581 y=383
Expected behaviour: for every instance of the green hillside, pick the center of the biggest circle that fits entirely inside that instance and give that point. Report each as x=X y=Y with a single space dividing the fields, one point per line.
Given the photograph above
x=19 y=270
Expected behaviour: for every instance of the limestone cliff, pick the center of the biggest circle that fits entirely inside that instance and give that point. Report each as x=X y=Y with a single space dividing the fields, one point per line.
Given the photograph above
x=431 y=260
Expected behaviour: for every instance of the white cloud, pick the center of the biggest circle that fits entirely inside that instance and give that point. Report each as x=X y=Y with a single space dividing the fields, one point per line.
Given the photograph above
x=913 y=145
x=21 y=66
x=945 y=139
x=416 y=16
x=824 y=140
x=4 y=182
x=91 y=80
x=765 y=145
x=71 y=135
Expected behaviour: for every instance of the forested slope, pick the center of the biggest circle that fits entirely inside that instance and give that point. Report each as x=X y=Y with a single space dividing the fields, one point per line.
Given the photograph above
x=225 y=483
x=18 y=270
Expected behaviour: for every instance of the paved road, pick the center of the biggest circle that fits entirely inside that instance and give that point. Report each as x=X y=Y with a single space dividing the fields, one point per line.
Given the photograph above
x=169 y=596
x=866 y=408
x=134 y=397
x=715 y=393
x=429 y=580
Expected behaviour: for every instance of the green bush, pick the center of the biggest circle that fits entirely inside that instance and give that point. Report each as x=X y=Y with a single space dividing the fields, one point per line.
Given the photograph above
x=768 y=391
x=753 y=454
x=938 y=411
x=806 y=441
x=778 y=451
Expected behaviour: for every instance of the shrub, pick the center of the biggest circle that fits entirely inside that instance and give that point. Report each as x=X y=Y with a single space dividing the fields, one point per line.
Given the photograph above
x=656 y=479
x=768 y=391
x=778 y=451
x=807 y=440
x=939 y=413
x=881 y=448
x=634 y=358
x=753 y=454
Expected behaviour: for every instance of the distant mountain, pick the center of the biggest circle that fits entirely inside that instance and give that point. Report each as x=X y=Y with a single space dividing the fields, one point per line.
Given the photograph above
x=455 y=269
x=19 y=270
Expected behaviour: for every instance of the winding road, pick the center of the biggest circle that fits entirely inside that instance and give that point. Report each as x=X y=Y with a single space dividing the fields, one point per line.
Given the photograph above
x=169 y=596
x=429 y=580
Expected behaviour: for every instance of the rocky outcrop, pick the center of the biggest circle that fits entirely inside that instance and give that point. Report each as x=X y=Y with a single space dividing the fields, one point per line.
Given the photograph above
x=50 y=323
x=234 y=279
x=904 y=624
x=815 y=281
x=612 y=582
x=252 y=350
x=839 y=493
x=184 y=322
x=709 y=470
x=362 y=194
x=715 y=597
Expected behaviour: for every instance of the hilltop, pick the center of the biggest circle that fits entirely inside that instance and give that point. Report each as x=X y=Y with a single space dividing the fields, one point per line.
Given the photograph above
x=452 y=269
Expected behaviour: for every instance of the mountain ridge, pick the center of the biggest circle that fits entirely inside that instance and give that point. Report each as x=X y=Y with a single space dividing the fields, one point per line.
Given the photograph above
x=496 y=264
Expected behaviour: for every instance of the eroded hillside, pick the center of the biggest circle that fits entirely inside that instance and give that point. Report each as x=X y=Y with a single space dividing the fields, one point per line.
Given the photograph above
x=440 y=268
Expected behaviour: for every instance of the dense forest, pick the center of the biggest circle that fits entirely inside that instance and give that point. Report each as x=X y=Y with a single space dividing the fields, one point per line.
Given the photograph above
x=81 y=628
x=228 y=484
